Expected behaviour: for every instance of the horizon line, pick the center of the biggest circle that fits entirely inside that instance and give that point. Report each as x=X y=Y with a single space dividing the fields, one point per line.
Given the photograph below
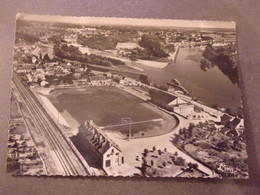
x=127 y=21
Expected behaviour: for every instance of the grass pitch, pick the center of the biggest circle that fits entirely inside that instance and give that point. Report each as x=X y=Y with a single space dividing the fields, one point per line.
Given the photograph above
x=104 y=105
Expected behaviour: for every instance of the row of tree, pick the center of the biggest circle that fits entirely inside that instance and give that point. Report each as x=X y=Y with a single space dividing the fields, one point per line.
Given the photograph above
x=71 y=52
x=97 y=42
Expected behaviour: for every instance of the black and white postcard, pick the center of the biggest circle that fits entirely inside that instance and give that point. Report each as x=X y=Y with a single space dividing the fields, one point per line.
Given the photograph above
x=126 y=97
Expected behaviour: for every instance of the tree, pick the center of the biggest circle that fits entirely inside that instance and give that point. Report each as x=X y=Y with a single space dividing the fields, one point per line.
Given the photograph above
x=222 y=145
x=164 y=163
x=89 y=70
x=153 y=44
x=192 y=165
x=179 y=161
x=144 y=166
x=145 y=152
x=176 y=138
x=191 y=126
x=144 y=79
x=46 y=58
x=154 y=148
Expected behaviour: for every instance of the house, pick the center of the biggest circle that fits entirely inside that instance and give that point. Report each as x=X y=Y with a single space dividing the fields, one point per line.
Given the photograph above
x=102 y=149
x=99 y=80
x=118 y=79
x=71 y=39
x=236 y=125
x=185 y=110
x=225 y=119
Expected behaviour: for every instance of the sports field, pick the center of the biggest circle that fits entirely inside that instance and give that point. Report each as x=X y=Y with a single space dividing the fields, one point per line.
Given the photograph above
x=106 y=106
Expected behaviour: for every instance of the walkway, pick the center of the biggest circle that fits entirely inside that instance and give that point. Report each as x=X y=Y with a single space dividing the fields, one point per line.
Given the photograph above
x=135 y=147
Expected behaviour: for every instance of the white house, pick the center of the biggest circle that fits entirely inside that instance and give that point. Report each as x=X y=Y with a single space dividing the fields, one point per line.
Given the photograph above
x=102 y=149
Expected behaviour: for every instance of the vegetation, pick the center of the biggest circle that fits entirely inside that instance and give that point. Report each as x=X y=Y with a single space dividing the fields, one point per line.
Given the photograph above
x=56 y=39
x=216 y=147
x=21 y=57
x=152 y=43
x=97 y=42
x=162 y=163
x=152 y=49
x=28 y=38
x=71 y=52
x=144 y=79
x=223 y=57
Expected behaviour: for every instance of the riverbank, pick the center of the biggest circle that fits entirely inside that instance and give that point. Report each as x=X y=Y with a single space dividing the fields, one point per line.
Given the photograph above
x=148 y=63
x=174 y=55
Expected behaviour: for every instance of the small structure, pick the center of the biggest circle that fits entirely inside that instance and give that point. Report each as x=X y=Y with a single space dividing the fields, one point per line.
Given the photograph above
x=185 y=110
x=127 y=45
x=99 y=80
x=231 y=126
x=42 y=53
x=171 y=102
x=103 y=150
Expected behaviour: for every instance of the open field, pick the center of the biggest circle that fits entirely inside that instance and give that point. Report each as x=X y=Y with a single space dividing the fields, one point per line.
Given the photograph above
x=106 y=106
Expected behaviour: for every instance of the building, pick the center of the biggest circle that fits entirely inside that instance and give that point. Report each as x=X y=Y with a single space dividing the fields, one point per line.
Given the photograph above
x=99 y=80
x=162 y=98
x=185 y=110
x=127 y=45
x=232 y=126
x=72 y=39
x=42 y=52
x=171 y=103
x=102 y=149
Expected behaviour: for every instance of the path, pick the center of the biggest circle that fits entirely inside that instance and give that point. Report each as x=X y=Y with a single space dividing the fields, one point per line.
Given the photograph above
x=135 y=147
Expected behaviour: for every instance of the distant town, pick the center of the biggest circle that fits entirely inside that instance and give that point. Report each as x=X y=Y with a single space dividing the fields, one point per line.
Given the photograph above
x=101 y=100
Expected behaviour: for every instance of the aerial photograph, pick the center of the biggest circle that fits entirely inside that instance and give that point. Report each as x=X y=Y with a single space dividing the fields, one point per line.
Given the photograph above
x=126 y=97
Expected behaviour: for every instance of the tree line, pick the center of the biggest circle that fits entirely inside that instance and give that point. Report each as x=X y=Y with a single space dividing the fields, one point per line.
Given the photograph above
x=71 y=52
x=222 y=57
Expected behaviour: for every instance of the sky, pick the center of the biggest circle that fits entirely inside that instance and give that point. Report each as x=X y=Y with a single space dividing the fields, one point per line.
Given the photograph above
x=128 y=21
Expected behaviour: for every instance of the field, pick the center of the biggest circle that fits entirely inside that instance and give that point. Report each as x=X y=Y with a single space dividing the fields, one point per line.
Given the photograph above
x=106 y=106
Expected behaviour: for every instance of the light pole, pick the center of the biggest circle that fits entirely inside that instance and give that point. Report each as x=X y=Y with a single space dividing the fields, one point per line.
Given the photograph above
x=127 y=121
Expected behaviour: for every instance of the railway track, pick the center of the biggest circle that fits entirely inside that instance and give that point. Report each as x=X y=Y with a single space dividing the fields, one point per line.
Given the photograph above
x=66 y=154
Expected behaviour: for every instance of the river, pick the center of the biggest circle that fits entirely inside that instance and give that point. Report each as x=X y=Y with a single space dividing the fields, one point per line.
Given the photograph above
x=211 y=87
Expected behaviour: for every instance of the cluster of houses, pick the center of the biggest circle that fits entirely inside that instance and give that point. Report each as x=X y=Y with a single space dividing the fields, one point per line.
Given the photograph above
x=230 y=125
x=22 y=150
x=103 y=150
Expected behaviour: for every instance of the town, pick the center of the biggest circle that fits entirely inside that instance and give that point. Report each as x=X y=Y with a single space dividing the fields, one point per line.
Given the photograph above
x=84 y=104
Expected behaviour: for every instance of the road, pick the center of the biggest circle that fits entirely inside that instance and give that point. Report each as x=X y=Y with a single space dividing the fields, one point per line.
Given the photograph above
x=68 y=158
x=135 y=147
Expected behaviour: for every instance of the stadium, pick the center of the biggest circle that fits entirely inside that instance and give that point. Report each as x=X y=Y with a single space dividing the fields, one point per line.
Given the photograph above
x=113 y=109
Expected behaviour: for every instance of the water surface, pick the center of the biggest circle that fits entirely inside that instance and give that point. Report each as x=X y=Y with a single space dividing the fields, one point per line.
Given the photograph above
x=211 y=87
